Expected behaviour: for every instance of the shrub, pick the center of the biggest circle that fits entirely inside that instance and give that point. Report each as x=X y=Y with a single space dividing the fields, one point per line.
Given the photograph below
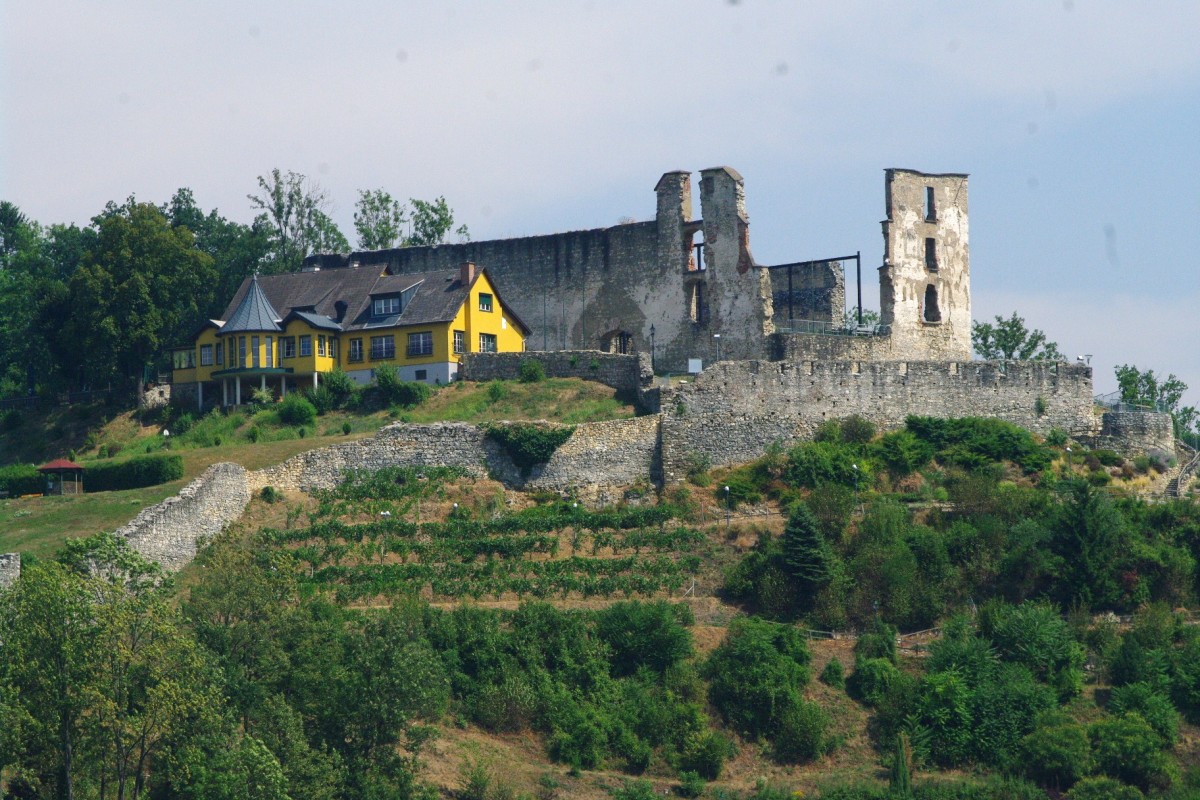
x=254 y=434
x=496 y=391
x=818 y=463
x=857 y=429
x=1108 y=458
x=182 y=424
x=1101 y=788
x=1056 y=757
x=295 y=409
x=346 y=428
x=904 y=453
x=531 y=371
x=706 y=753
x=396 y=392
x=270 y=494
x=321 y=398
x=529 y=445
x=757 y=673
x=1152 y=705
x=878 y=641
x=698 y=465
x=341 y=387
x=871 y=680
x=691 y=784
x=1057 y=437
x=262 y=397
x=19 y=479
x=1128 y=749
x=741 y=490
x=645 y=635
x=800 y=733
x=133 y=474
x=834 y=674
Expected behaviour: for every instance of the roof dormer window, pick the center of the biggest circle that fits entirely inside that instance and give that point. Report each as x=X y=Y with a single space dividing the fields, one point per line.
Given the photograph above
x=385 y=306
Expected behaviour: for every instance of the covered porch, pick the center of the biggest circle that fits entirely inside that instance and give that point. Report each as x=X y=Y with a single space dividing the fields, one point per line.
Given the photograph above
x=237 y=386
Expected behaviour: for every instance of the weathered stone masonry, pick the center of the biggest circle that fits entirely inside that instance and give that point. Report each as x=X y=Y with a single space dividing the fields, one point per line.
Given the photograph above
x=732 y=412
x=170 y=532
x=10 y=569
x=625 y=373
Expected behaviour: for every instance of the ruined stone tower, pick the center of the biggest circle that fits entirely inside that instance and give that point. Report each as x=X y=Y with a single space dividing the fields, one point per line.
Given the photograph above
x=925 y=280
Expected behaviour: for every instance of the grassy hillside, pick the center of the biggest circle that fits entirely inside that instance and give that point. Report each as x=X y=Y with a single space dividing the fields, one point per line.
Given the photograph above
x=254 y=438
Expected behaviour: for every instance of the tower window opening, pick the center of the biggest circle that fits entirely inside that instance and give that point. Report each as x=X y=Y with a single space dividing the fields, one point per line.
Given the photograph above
x=930 y=205
x=932 y=312
x=696 y=302
x=931 y=263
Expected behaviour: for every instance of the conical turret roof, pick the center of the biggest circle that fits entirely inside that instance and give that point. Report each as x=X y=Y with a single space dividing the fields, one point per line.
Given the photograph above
x=254 y=313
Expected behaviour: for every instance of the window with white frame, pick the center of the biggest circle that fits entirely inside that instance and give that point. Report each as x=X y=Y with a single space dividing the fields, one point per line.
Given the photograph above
x=385 y=306
x=485 y=301
x=383 y=347
x=320 y=345
x=420 y=344
x=332 y=347
x=220 y=353
x=289 y=346
x=356 y=353
x=460 y=341
x=487 y=342
x=306 y=345
x=206 y=355
x=270 y=351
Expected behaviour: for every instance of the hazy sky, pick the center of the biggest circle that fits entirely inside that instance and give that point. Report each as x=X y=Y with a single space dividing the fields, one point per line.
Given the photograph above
x=1078 y=121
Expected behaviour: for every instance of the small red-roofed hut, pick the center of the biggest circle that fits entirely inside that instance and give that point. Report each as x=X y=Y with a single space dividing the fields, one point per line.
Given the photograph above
x=62 y=477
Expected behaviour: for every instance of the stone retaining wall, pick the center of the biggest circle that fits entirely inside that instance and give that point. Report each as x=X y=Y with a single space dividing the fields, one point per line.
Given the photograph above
x=615 y=453
x=10 y=569
x=733 y=411
x=630 y=373
x=170 y=532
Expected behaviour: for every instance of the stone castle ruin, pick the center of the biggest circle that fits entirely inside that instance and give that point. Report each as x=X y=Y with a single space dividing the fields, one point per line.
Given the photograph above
x=654 y=295
x=673 y=284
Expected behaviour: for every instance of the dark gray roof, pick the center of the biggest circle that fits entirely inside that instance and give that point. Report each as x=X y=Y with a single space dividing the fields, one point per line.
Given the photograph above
x=253 y=313
x=316 y=320
x=342 y=297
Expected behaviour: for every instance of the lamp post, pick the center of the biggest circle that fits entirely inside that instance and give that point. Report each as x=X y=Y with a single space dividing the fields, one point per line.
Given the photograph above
x=727 y=510
x=855 y=468
x=652 y=347
x=717 y=339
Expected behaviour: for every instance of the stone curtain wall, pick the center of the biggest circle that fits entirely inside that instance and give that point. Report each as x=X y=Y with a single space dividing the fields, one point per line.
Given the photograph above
x=614 y=453
x=1137 y=432
x=732 y=412
x=10 y=569
x=171 y=531
x=625 y=373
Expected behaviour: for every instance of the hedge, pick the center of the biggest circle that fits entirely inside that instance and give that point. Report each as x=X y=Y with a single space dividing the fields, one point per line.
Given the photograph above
x=19 y=479
x=132 y=474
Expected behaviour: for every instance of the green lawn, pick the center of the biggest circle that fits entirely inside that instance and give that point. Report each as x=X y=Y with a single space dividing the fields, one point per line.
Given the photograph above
x=39 y=525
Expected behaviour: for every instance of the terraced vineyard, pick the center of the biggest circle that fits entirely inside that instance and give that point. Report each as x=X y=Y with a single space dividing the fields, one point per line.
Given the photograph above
x=362 y=544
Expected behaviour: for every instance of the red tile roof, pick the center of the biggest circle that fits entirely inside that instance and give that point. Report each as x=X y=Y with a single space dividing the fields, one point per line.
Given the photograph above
x=59 y=464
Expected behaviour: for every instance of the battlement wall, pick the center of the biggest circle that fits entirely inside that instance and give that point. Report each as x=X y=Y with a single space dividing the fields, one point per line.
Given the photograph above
x=733 y=411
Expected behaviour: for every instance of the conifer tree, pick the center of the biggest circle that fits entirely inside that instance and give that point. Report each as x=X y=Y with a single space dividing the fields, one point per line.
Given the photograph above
x=808 y=555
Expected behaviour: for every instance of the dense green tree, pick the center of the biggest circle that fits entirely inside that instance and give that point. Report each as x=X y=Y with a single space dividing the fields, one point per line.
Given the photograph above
x=756 y=674
x=1010 y=340
x=1165 y=394
x=140 y=284
x=293 y=209
x=810 y=558
x=431 y=222
x=237 y=250
x=1127 y=748
x=379 y=220
x=1088 y=537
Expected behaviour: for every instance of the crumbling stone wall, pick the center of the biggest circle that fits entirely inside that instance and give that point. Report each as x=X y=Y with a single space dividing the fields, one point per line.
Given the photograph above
x=625 y=373
x=818 y=293
x=1138 y=432
x=603 y=454
x=170 y=532
x=10 y=569
x=732 y=412
x=615 y=453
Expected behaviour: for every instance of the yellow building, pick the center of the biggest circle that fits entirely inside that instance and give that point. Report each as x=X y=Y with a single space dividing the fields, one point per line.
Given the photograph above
x=282 y=332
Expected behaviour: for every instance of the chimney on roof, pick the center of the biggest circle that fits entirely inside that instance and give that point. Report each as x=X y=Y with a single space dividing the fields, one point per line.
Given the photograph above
x=466 y=272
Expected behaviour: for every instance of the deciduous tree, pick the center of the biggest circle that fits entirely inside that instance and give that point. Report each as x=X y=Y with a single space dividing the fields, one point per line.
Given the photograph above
x=1009 y=340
